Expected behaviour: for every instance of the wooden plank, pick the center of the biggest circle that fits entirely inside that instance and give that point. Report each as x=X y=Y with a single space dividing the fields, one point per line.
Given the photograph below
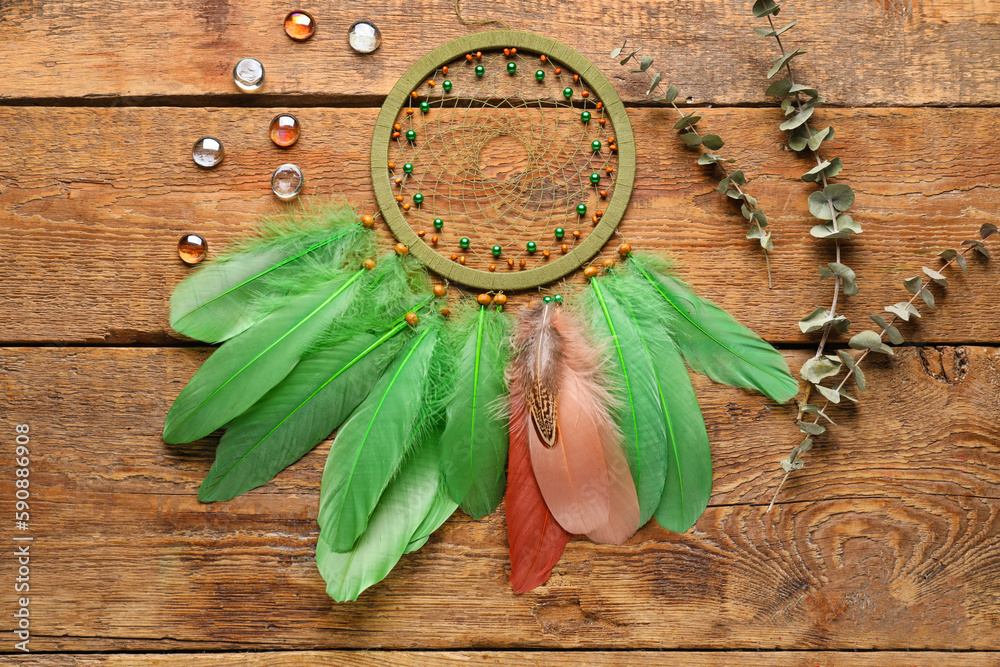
x=886 y=540
x=94 y=201
x=938 y=51
x=528 y=659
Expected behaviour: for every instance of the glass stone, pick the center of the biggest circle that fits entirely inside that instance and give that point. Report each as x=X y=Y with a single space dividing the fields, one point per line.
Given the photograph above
x=248 y=74
x=192 y=248
x=364 y=37
x=299 y=25
x=286 y=181
x=208 y=152
x=284 y=129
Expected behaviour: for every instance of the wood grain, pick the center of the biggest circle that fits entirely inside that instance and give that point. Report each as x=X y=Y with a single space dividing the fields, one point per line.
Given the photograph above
x=530 y=659
x=886 y=540
x=94 y=200
x=861 y=52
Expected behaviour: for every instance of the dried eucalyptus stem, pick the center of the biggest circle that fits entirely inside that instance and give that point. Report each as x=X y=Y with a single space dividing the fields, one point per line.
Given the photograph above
x=731 y=181
x=871 y=341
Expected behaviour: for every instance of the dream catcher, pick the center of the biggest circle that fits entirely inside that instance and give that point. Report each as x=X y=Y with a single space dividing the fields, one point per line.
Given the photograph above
x=501 y=161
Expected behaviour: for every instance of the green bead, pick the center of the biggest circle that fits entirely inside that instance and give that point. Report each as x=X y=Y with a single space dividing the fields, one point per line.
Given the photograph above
x=532 y=246
x=411 y=135
x=480 y=70
x=560 y=232
x=418 y=198
x=540 y=74
x=581 y=209
x=557 y=298
x=438 y=223
x=464 y=242
x=585 y=116
x=511 y=68
x=595 y=144
x=446 y=84
x=567 y=93
x=425 y=106
x=408 y=168
x=547 y=299
x=595 y=178
x=497 y=250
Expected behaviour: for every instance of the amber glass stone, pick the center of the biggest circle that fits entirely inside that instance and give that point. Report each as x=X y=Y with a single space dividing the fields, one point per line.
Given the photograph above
x=192 y=248
x=299 y=25
x=284 y=129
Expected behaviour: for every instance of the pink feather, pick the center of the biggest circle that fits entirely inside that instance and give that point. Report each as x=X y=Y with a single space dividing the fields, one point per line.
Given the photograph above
x=583 y=476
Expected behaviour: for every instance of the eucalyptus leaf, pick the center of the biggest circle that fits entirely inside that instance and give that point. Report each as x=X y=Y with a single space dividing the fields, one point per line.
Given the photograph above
x=927 y=297
x=859 y=379
x=783 y=60
x=842 y=196
x=723 y=185
x=779 y=88
x=788 y=466
x=686 y=121
x=935 y=276
x=818 y=137
x=913 y=284
x=816 y=410
x=820 y=206
x=987 y=230
x=846 y=227
x=645 y=62
x=655 y=82
x=796 y=120
x=806 y=445
x=960 y=260
x=879 y=320
x=813 y=174
x=754 y=232
x=766 y=243
x=895 y=337
x=815 y=370
x=617 y=52
x=811 y=428
x=788 y=27
x=712 y=142
x=672 y=93
x=739 y=177
x=815 y=321
x=903 y=310
x=870 y=340
x=948 y=255
x=848 y=359
x=765 y=7
x=831 y=395
x=841 y=324
x=799 y=139
x=691 y=139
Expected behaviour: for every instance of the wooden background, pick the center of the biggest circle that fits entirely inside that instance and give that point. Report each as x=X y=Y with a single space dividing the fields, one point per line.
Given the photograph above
x=883 y=551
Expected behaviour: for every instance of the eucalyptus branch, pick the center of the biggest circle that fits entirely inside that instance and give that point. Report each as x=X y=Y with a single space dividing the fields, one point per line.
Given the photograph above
x=872 y=341
x=732 y=180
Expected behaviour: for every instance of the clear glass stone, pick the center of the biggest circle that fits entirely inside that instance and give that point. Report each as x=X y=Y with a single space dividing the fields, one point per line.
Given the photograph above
x=192 y=248
x=364 y=36
x=208 y=152
x=286 y=181
x=248 y=74
x=284 y=129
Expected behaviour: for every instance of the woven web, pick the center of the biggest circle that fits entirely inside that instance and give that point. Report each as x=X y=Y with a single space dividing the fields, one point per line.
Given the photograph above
x=502 y=159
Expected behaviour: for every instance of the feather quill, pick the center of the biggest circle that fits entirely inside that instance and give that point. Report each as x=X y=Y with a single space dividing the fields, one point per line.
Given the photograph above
x=712 y=342
x=574 y=447
x=246 y=367
x=535 y=537
x=234 y=291
x=474 y=443
x=372 y=444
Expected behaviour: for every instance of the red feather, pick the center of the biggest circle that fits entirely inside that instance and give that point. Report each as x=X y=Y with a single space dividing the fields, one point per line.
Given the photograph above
x=536 y=540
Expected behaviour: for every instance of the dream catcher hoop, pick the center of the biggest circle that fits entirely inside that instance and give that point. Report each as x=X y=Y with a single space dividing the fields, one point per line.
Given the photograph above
x=433 y=171
x=500 y=161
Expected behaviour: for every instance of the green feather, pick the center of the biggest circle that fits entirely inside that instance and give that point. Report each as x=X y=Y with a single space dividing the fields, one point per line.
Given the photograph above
x=372 y=444
x=474 y=449
x=688 y=484
x=305 y=407
x=409 y=510
x=245 y=368
x=634 y=380
x=229 y=294
x=715 y=344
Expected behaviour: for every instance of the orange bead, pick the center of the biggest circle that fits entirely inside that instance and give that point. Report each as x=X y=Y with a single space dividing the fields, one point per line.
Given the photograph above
x=513 y=51
x=500 y=299
x=599 y=213
x=397 y=127
x=468 y=56
x=392 y=165
x=523 y=263
x=413 y=94
x=576 y=78
x=576 y=233
x=506 y=52
x=510 y=262
x=446 y=312
x=484 y=299
x=558 y=70
x=624 y=249
x=367 y=220
x=604 y=194
x=406 y=206
x=609 y=169
x=611 y=140
x=594 y=219
x=401 y=249
x=439 y=290
x=409 y=111
x=590 y=271
x=543 y=57
x=492 y=268
x=479 y=55
x=444 y=70
x=421 y=233
x=434 y=240
x=412 y=319
x=399 y=197
x=585 y=93
x=398 y=180
x=564 y=248
x=461 y=260
x=454 y=256
x=431 y=83
x=602 y=121
x=599 y=105
x=545 y=253
x=369 y=264
x=608 y=263
x=395 y=135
